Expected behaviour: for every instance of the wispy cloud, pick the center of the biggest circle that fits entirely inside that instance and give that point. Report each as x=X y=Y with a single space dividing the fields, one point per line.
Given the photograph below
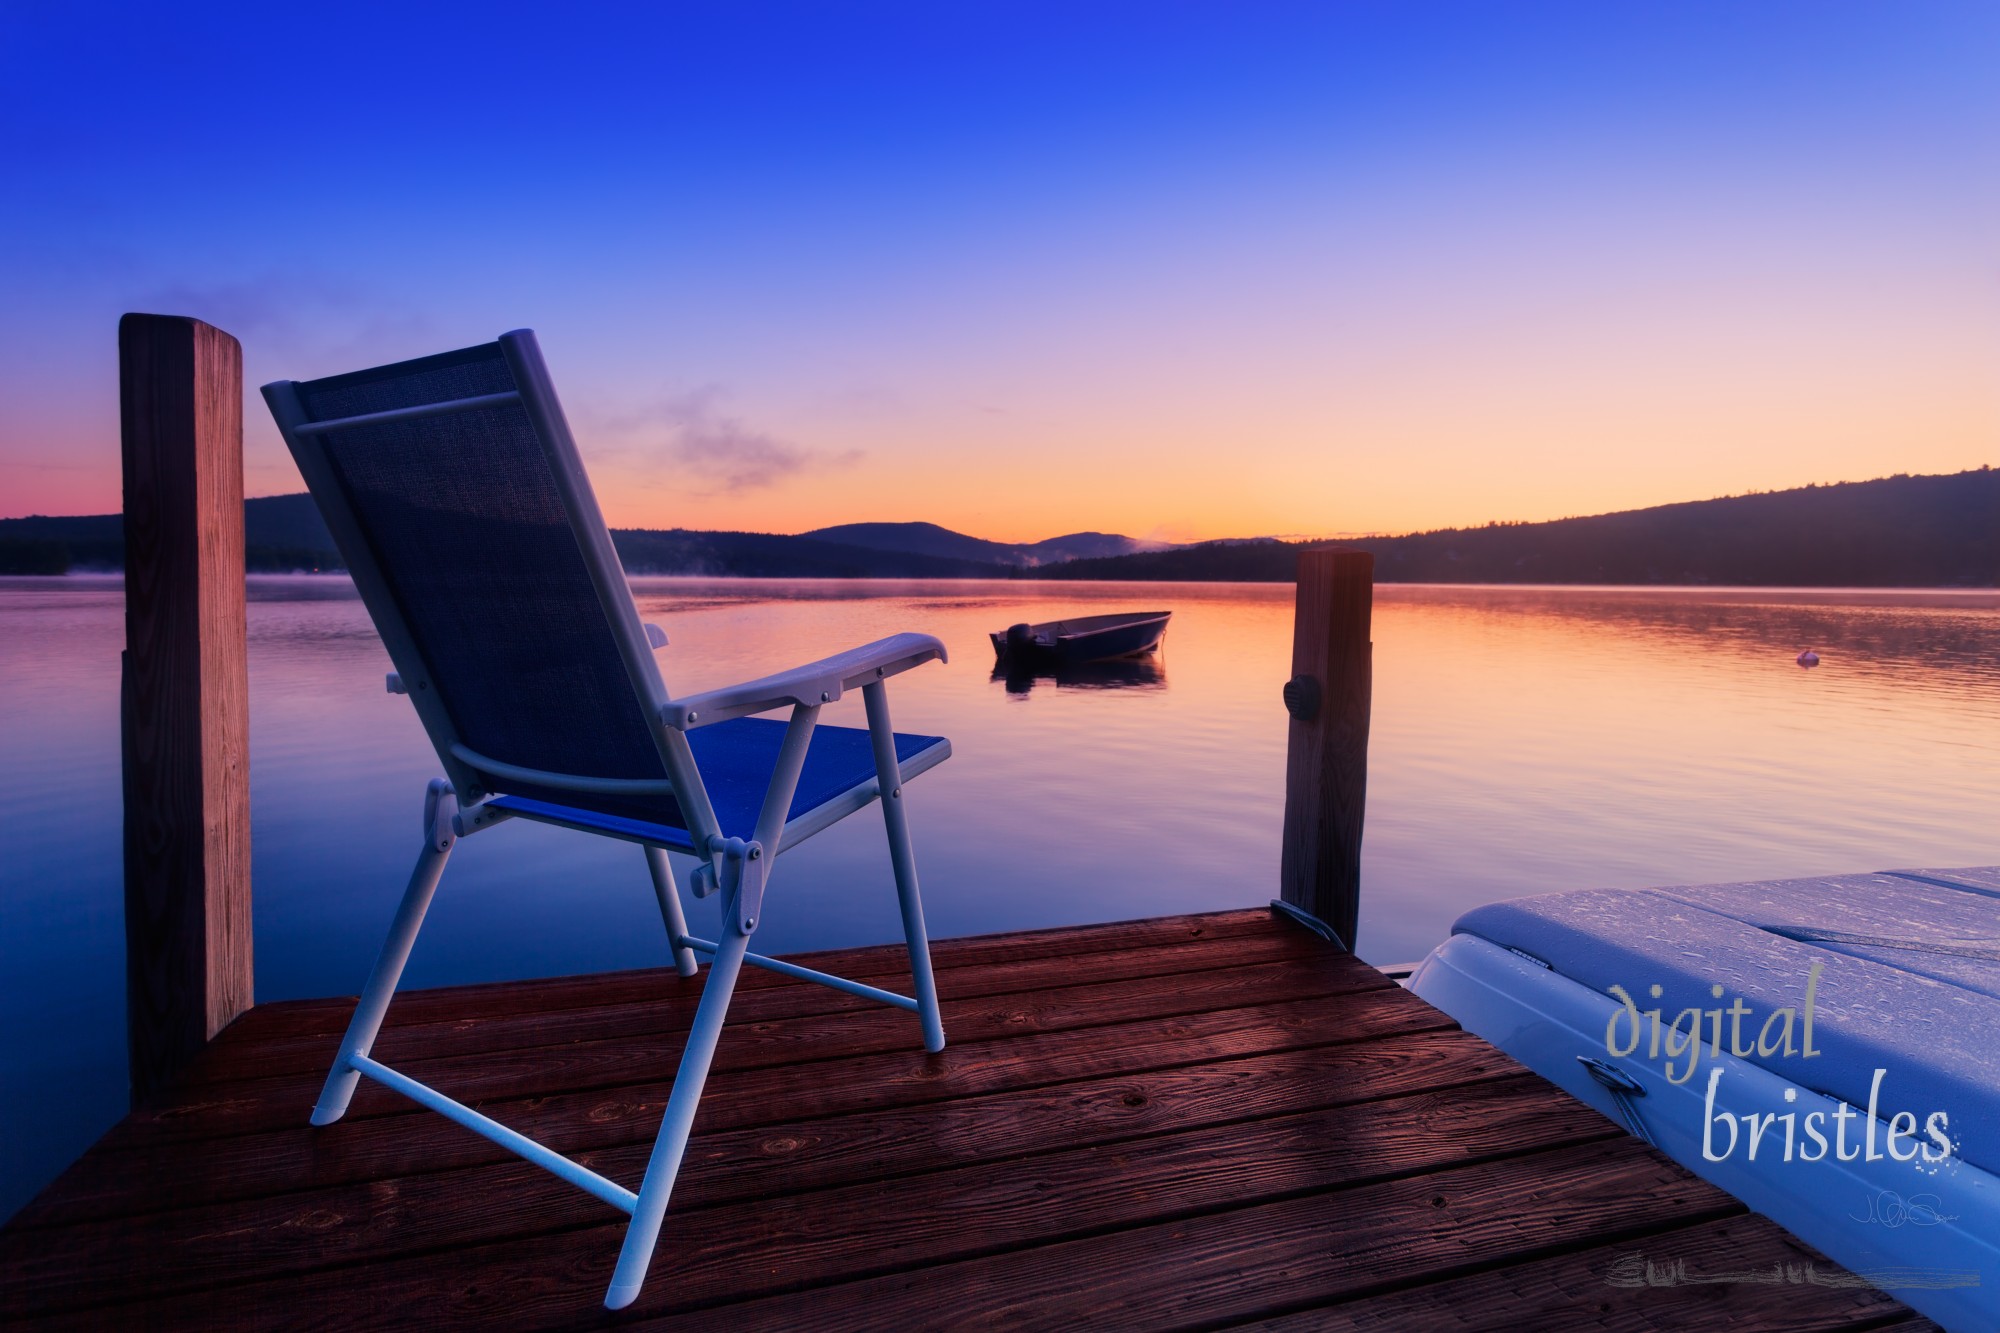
x=316 y=323
x=715 y=453
x=269 y=306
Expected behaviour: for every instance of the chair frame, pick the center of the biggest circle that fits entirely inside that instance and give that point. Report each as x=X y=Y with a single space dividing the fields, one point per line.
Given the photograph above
x=459 y=804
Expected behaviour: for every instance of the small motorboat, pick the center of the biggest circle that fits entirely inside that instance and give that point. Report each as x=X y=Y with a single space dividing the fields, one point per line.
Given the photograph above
x=1084 y=639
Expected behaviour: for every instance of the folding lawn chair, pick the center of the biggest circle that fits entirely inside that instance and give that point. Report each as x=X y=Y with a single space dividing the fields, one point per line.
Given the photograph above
x=457 y=497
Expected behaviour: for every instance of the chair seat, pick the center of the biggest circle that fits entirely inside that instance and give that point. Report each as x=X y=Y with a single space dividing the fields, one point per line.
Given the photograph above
x=736 y=760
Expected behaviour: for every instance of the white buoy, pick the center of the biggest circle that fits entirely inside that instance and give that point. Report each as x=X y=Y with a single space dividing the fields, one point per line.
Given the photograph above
x=1808 y=658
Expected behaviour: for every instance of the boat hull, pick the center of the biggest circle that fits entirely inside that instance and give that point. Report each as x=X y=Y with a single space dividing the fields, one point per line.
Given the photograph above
x=1086 y=639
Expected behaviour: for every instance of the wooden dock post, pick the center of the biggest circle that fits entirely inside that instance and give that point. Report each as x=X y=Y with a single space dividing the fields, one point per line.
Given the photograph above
x=1326 y=761
x=185 y=704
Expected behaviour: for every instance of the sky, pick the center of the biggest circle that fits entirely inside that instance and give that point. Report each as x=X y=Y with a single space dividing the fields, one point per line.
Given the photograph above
x=1175 y=270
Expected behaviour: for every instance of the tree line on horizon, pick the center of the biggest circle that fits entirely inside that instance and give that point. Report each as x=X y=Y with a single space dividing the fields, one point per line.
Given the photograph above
x=1900 y=531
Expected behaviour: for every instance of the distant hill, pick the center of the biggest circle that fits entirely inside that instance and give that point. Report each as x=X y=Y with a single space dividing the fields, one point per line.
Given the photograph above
x=930 y=539
x=762 y=555
x=1261 y=561
x=917 y=539
x=285 y=532
x=1090 y=546
x=280 y=532
x=1901 y=531
x=286 y=522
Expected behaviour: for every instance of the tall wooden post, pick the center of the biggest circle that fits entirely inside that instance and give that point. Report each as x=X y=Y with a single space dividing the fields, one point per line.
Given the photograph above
x=186 y=710
x=1326 y=762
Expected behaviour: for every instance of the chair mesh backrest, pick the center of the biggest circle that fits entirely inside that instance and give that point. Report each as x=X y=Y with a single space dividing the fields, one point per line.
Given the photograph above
x=463 y=519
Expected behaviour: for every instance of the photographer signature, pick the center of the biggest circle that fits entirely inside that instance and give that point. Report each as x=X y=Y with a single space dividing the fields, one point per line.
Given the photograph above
x=1636 y=1270
x=1890 y=1209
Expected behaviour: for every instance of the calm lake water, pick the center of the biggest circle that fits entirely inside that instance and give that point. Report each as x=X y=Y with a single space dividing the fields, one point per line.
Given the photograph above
x=1524 y=741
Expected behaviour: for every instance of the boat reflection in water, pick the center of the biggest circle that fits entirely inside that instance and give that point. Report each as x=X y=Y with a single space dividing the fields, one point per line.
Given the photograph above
x=1118 y=673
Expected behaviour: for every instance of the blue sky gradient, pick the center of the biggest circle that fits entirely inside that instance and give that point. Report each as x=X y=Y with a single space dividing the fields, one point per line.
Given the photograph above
x=1189 y=271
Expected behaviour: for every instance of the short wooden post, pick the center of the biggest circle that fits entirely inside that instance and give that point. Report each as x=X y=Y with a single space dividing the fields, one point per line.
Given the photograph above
x=1326 y=762
x=186 y=709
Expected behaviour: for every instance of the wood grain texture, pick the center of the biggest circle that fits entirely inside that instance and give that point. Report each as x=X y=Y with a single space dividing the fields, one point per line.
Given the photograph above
x=665 y=1004
x=865 y=1216
x=185 y=693
x=1236 y=1263
x=102 y=1183
x=165 y=1232
x=543 y=995
x=649 y=1056
x=1326 y=758
x=1270 y=1132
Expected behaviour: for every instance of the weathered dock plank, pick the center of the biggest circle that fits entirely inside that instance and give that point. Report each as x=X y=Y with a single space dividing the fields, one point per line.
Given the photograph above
x=1188 y=1122
x=549 y=994
x=242 y=1166
x=612 y=1019
x=535 y=1068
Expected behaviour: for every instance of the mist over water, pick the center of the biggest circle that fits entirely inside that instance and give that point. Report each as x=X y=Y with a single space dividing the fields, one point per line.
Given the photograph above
x=1524 y=740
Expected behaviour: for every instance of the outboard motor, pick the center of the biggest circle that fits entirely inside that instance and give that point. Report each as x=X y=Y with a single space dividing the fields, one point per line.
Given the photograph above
x=1020 y=640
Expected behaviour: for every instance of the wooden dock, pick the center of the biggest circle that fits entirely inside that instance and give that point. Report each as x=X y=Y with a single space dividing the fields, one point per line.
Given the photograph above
x=1196 y=1122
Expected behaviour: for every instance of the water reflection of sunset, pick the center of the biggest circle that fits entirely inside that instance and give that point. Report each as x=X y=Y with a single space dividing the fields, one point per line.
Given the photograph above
x=1523 y=739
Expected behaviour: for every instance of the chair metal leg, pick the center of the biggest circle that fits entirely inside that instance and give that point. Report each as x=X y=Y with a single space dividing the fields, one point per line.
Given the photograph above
x=439 y=807
x=888 y=774
x=671 y=912
x=665 y=1165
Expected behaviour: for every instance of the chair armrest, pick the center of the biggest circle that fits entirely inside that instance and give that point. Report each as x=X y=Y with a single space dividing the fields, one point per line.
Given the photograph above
x=816 y=683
